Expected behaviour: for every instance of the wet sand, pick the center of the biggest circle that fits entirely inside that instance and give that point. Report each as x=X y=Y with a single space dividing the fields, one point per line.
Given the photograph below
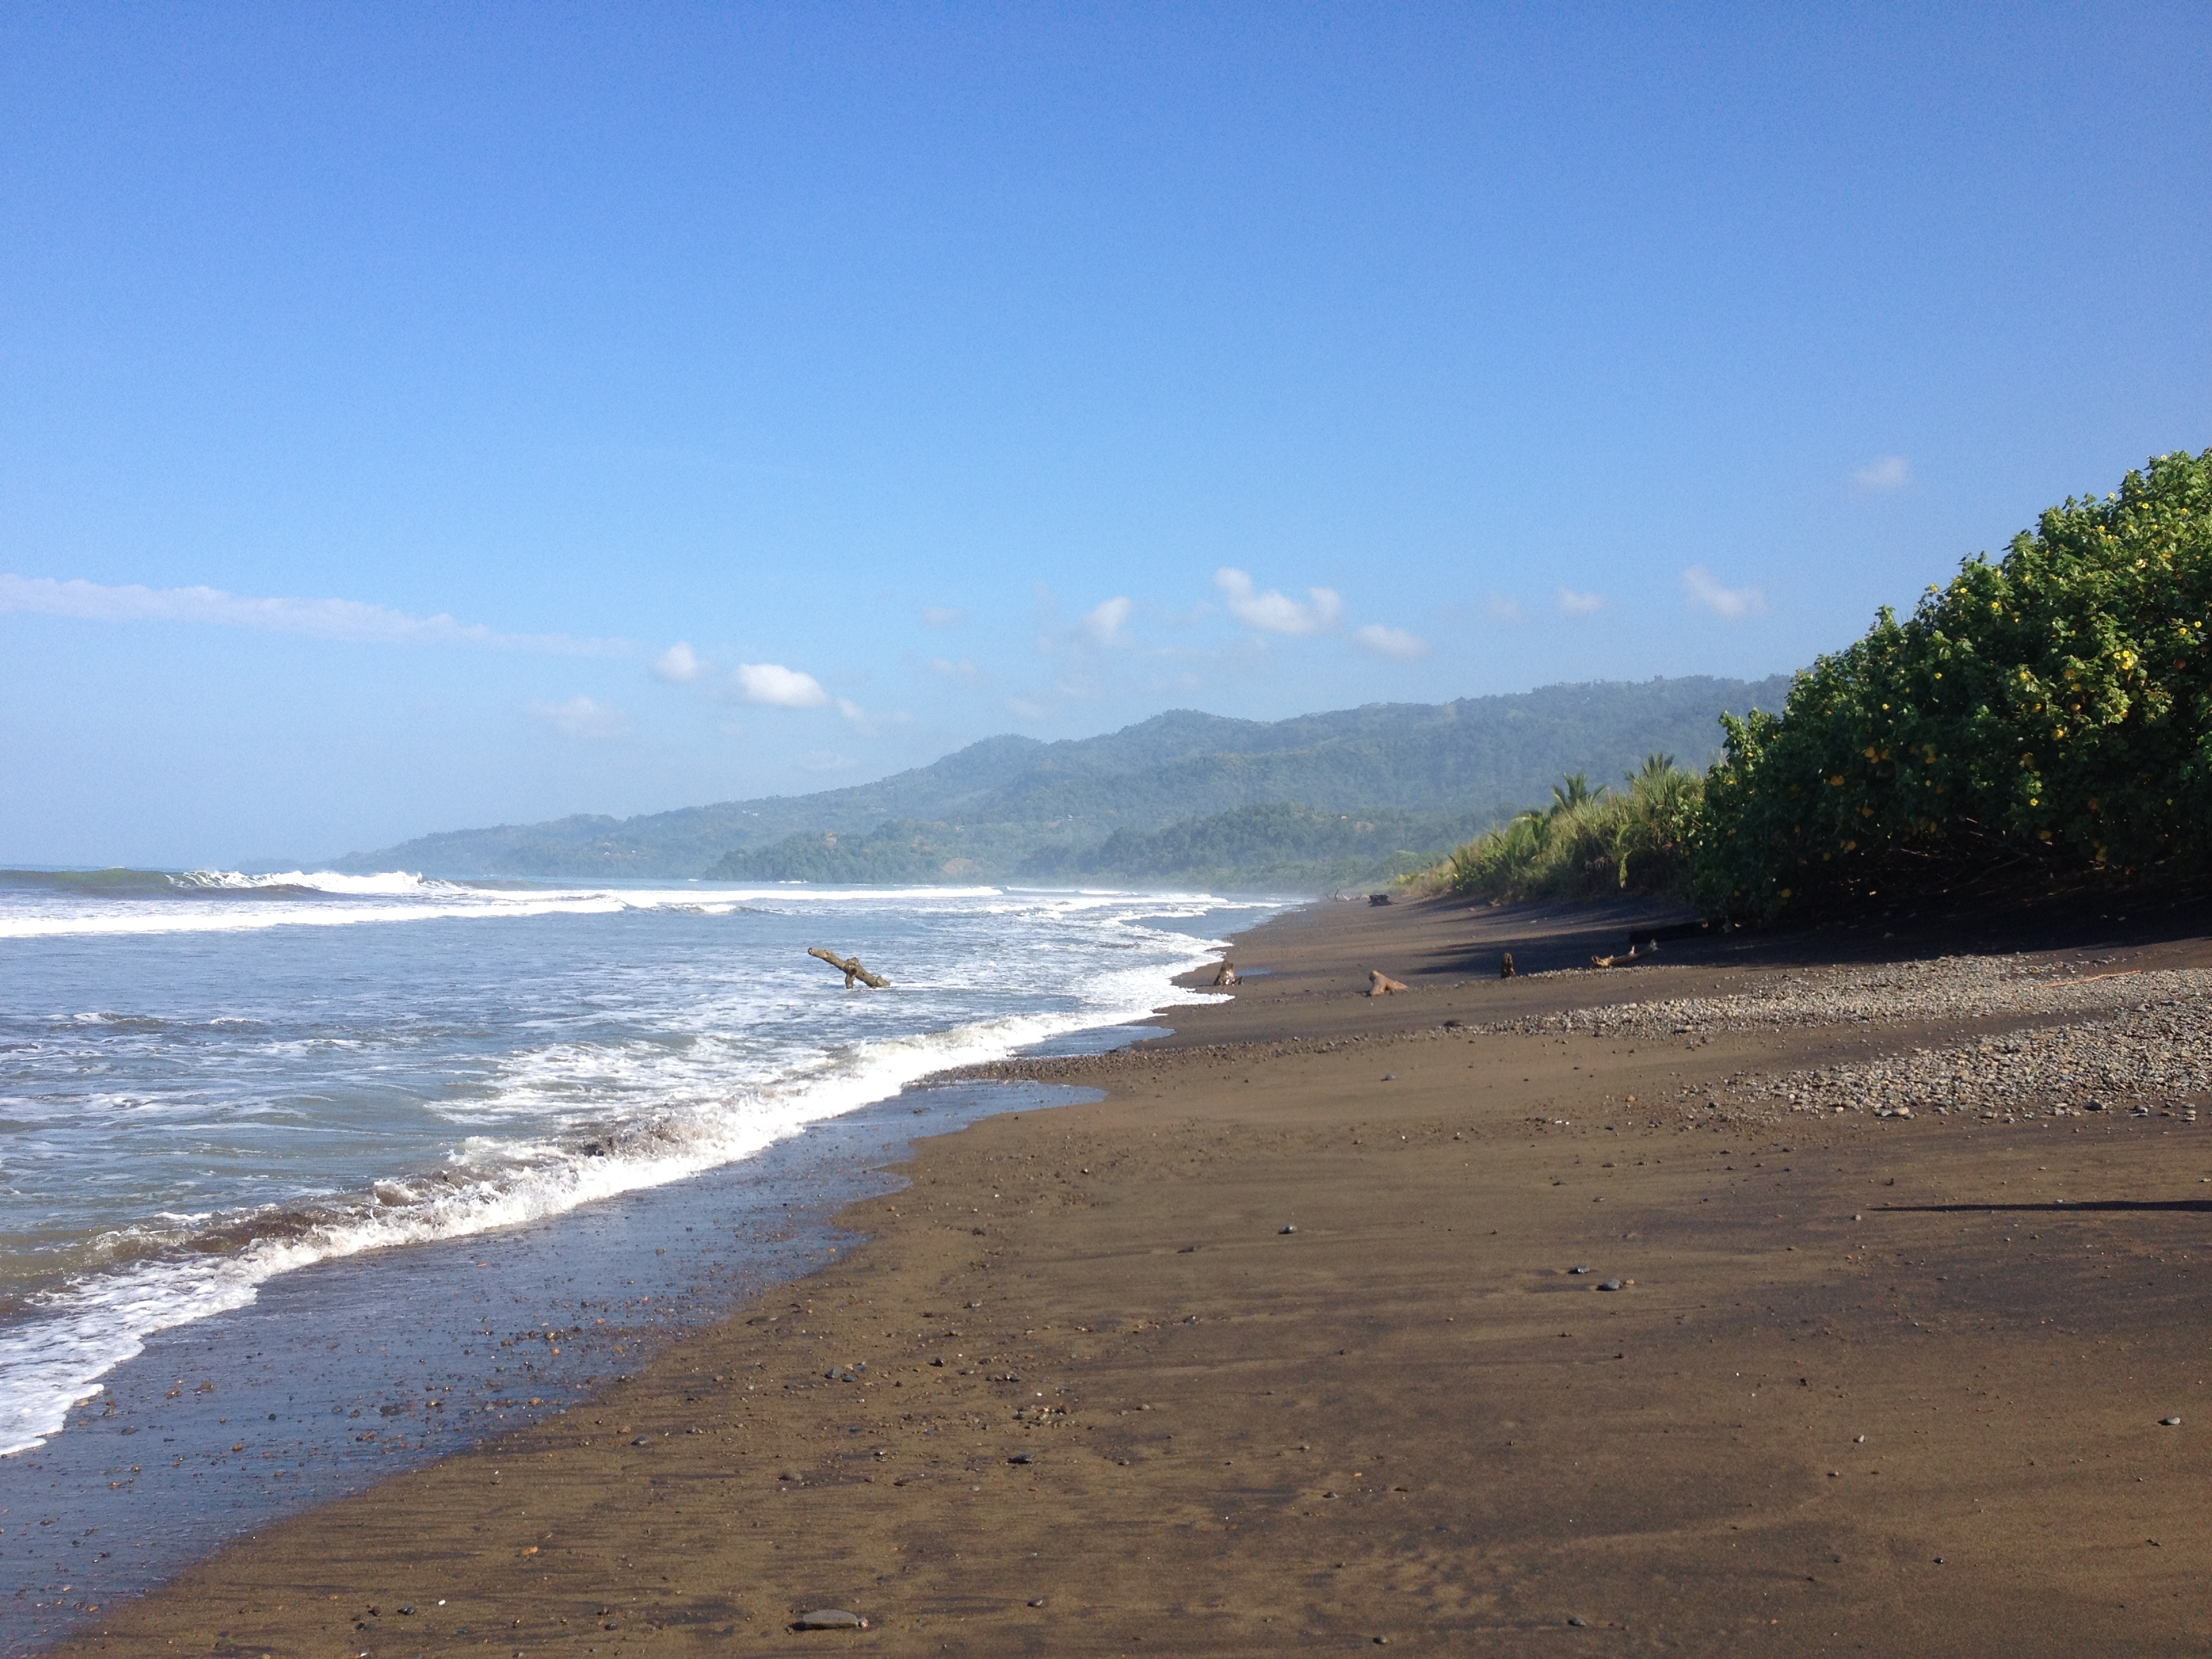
x=1285 y=1329
x=346 y=1372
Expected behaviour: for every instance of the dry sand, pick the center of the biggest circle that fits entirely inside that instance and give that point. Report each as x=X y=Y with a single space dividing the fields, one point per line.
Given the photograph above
x=1869 y=1385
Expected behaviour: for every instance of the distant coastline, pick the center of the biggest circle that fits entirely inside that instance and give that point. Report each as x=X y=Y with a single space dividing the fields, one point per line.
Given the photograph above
x=1306 y=804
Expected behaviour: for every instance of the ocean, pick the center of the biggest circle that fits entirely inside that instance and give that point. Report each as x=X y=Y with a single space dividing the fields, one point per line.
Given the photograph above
x=284 y=1149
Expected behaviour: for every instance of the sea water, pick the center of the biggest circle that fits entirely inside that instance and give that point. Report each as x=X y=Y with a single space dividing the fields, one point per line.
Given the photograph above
x=238 y=1113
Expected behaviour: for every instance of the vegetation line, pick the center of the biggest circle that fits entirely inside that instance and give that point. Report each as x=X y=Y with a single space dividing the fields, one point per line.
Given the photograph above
x=2044 y=721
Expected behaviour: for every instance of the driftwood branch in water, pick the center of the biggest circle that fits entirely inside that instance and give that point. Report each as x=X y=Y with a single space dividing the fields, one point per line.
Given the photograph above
x=850 y=967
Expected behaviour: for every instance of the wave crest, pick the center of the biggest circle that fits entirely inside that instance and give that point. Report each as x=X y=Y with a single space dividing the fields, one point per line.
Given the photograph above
x=387 y=883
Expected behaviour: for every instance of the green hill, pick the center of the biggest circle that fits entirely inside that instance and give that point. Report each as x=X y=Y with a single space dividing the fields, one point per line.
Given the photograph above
x=1173 y=796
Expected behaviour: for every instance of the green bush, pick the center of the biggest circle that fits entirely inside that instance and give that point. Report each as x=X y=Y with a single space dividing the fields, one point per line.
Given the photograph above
x=2042 y=719
x=1589 y=843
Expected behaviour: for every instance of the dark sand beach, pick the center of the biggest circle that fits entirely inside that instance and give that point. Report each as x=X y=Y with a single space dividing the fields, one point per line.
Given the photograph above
x=1279 y=1344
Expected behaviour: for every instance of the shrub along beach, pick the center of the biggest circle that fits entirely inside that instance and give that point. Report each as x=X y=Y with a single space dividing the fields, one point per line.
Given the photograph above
x=2043 y=723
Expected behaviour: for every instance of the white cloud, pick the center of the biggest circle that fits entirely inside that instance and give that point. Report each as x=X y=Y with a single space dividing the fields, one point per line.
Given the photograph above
x=1506 y=608
x=1729 y=603
x=1880 y=475
x=852 y=711
x=779 y=687
x=1572 y=604
x=963 y=672
x=326 y=619
x=679 y=665
x=1274 y=613
x=943 y=616
x=580 y=718
x=1105 y=622
x=1387 y=641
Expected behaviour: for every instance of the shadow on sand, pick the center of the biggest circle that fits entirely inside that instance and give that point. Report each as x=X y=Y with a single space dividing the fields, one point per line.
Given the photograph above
x=2199 y=1205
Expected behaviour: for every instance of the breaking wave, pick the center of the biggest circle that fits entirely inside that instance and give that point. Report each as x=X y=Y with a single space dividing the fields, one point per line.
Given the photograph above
x=112 y=902
x=556 y=1124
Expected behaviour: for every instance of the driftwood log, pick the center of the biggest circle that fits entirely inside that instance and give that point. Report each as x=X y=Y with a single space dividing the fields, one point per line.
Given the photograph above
x=1380 y=984
x=1227 y=976
x=850 y=967
x=1505 y=969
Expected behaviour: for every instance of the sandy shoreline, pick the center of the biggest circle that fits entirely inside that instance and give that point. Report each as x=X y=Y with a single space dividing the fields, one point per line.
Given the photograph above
x=1869 y=1384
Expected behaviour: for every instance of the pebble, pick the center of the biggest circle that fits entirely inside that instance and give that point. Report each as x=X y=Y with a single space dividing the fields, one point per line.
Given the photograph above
x=1037 y=1602
x=2147 y=1052
x=2115 y=1038
x=1579 y=1267
x=1022 y=1457
x=1579 y=1624
x=2138 y=1036
x=1608 y=1284
x=1287 y=1230
x=2169 y=1422
x=1940 y=987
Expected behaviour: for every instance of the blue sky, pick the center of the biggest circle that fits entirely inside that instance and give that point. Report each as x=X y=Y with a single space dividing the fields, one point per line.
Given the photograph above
x=420 y=416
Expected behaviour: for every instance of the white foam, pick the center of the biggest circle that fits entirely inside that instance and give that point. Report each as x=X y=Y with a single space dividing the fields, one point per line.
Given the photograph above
x=388 y=883
x=53 y=1360
x=409 y=898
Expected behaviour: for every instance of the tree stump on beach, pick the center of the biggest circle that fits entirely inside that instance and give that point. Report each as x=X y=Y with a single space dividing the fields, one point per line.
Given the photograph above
x=1227 y=976
x=1380 y=984
x=850 y=967
x=1505 y=965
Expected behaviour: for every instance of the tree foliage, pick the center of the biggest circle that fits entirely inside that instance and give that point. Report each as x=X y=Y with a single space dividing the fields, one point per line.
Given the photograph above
x=2042 y=718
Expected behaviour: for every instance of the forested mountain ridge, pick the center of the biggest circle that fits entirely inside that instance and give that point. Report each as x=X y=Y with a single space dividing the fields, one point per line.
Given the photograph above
x=1016 y=807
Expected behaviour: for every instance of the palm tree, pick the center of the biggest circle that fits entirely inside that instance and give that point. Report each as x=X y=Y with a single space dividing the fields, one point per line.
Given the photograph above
x=1573 y=790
